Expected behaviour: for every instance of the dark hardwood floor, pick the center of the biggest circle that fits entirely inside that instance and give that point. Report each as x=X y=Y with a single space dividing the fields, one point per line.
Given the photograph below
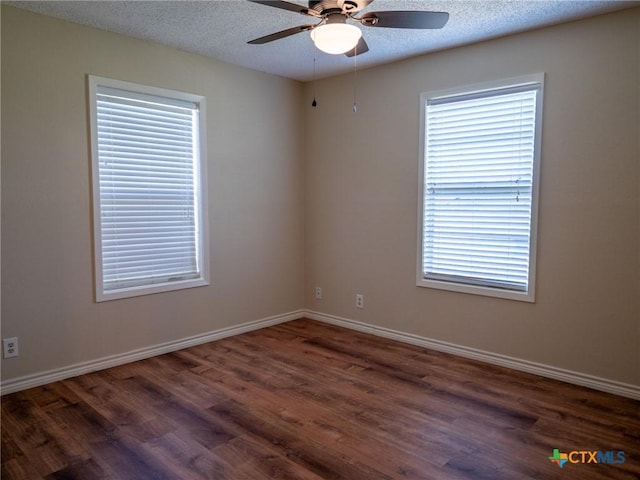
x=304 y=401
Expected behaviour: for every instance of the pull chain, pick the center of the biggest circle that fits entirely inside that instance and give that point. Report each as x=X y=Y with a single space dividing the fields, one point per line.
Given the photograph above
x=355 y=79
x=314 y=103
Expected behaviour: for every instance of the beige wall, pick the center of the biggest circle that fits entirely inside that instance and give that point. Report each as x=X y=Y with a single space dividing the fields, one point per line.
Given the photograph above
x=336 y=207
x=361 y=200
x=255 y=196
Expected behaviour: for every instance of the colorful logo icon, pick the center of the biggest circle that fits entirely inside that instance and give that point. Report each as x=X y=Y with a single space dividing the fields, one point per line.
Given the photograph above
x=559 y=458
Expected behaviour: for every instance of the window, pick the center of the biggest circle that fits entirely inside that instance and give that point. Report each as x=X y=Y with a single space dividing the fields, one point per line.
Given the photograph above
x=480 y=152
x=149 y=189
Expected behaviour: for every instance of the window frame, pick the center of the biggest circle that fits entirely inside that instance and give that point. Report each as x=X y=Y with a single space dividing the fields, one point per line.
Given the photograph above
x=201 y=195
x=464 y=91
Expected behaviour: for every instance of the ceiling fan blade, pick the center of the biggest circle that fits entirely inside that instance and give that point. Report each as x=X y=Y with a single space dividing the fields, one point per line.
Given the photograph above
x=292 y=7
x=405 y=19
x=359 y=49
x=282 y=34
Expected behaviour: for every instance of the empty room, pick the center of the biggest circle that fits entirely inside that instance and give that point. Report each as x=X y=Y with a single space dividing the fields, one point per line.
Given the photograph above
x=339 y=239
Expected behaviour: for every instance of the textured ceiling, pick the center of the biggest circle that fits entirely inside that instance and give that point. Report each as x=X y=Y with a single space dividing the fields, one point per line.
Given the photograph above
x=220 y=29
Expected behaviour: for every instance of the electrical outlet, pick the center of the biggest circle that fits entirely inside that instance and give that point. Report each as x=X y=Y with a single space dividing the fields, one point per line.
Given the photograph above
x=359 y=300
x=10 y=347
x=318 y=293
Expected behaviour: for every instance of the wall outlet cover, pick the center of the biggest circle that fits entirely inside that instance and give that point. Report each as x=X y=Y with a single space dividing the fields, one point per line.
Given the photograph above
x=10 y=347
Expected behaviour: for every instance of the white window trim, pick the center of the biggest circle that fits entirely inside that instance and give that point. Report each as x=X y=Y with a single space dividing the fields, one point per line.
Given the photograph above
x=202 y=202
x=529 y=295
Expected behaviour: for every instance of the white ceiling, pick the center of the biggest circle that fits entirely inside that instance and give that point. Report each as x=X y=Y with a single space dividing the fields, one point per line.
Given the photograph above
x=220 y=29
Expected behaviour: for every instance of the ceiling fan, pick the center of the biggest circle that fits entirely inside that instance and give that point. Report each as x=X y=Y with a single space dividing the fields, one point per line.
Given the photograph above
x=334 y=34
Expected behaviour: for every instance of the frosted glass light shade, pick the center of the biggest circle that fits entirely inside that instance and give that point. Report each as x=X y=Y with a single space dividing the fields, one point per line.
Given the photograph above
x=336 y=38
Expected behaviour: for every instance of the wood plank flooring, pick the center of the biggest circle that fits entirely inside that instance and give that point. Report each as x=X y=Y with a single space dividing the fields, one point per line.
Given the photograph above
x=309 y=401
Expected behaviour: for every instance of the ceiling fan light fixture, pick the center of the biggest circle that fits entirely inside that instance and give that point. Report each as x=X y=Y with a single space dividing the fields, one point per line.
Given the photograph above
x=336 y=36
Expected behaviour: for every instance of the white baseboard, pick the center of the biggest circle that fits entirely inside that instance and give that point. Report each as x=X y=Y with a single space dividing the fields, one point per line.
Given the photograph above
x=576 y=378
x=37 y=379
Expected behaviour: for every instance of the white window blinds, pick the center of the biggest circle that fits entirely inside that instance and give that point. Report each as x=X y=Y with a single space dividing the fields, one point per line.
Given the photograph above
x=148 y=180
x=479 y=152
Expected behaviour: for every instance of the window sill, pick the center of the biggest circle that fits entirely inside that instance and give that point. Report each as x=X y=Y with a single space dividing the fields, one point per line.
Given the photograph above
x=478 y=290
x=149 y=290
